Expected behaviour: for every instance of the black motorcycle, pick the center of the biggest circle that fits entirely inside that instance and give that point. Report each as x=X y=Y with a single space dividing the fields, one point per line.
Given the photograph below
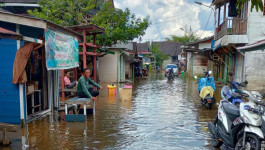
x=170 y=75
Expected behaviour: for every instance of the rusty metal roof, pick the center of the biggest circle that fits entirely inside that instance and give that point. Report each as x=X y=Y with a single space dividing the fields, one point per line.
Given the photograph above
x=7 y=34
x=5 y=31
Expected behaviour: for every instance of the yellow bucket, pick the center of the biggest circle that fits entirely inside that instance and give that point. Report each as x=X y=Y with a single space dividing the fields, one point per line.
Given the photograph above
x=111 y=89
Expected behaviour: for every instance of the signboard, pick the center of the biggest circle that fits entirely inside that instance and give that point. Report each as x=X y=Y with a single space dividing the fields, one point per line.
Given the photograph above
x=61 y=50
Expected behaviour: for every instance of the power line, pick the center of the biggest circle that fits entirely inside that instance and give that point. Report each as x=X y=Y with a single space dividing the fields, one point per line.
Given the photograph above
x=206 y=24
x=182 y=16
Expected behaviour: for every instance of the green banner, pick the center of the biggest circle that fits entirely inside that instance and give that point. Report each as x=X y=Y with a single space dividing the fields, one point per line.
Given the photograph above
x=61 y=50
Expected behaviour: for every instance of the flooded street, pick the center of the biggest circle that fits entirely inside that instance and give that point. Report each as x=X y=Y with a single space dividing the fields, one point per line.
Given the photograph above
x=161 y=115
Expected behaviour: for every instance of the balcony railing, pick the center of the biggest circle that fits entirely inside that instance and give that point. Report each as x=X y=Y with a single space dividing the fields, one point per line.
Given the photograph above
x=235 y=26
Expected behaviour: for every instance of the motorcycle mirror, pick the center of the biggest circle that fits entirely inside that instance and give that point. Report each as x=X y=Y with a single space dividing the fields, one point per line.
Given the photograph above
x=195 y=77
x=246 y=82
x=230 y=74
x=210 y=72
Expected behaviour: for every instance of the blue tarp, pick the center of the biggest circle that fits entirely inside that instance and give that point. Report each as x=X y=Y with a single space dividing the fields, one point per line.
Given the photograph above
x=206 y=82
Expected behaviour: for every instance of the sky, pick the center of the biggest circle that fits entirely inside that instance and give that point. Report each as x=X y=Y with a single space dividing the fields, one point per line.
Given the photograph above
x=169 y=16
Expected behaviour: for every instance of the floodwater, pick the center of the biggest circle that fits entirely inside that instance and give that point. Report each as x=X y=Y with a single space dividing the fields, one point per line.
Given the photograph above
x=161 y=115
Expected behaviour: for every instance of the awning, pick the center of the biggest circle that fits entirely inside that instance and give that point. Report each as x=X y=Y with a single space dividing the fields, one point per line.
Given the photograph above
x=259 y=45
x=130 y=59
x=230 y=39
x=7 y=34
x=125 y=53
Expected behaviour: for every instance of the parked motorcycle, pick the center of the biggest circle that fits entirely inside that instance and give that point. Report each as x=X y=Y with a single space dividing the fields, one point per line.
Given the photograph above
x=239 y=127
x=233 y=92
x=206 y=88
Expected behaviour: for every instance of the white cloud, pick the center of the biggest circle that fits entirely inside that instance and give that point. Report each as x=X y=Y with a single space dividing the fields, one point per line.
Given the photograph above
x=169 y=16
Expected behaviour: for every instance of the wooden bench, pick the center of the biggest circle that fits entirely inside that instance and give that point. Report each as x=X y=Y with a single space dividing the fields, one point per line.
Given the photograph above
x=5 y=127
x=69 y=90
x=80 y=101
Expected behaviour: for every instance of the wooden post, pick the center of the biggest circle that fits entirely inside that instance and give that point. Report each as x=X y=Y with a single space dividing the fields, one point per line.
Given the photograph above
x=62 y=79
x=85 y=109
x=84 y=48
x=66 y=109
x=5 y=141
x=95 y=58
x=224 y=11
x=219 y=11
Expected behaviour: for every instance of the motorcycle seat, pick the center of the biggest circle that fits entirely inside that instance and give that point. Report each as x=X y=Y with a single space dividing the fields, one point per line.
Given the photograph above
x=230 y=108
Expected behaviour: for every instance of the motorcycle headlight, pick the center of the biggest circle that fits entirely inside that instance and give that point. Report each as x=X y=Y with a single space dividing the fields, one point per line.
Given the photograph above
x=245 y=119
x=258 y=97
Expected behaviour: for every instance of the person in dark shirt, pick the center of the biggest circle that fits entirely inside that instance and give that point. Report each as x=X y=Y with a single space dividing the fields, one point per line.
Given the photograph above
x=83 y=90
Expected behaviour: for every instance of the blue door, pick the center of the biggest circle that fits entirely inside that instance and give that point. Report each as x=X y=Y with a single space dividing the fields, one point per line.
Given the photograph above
x=9 y=92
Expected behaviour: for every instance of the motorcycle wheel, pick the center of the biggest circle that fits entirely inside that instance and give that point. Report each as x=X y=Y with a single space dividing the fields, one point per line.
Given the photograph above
x=210 y=105
x=202 y=102
x=216 y=143
x=252 y=143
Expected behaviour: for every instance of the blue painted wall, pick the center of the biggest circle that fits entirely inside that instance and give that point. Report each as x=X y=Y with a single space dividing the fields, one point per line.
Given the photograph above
x=9 y=92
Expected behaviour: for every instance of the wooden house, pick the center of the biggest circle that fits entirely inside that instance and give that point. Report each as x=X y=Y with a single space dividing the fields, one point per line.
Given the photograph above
x=170 y=48
x=198 y=56
x=29 y=77
x=118 y=65
x=148 y=58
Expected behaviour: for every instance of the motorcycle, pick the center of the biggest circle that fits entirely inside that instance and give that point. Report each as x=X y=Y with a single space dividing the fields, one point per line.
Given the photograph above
x=138 y=72
x=233 y=92
x=206 y=88
x=170 y=74
x=239 y=127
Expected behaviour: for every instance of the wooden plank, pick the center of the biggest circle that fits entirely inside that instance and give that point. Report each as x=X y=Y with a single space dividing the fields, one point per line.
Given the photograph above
x=11 y=18
x=8 y=127
x=89 y=45
x=68 y=90
x=77 y=100
x=69 y=107
x=32 y=40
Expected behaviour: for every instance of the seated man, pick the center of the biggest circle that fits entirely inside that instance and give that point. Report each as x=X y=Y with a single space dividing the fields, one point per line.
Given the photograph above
x=83 y=90
x=67 y=81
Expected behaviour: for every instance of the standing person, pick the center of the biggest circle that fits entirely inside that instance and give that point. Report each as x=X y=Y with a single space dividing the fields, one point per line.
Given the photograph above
x=83 y=90
x=67 y=81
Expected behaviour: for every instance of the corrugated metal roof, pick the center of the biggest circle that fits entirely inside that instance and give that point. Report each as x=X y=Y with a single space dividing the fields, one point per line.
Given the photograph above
x=20 y=19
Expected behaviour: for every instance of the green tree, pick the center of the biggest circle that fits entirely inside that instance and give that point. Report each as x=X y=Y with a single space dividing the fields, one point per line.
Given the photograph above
x=118 y=24
x=64 y=12
x=254 y=3
x=159 y=56
x=188 y=37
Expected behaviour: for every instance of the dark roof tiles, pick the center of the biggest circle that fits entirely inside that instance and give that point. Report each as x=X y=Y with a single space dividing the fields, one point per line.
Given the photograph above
x=142 y=47
x=169 y=47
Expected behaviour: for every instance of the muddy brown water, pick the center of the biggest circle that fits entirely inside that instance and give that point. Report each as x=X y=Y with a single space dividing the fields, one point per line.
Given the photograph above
x=161 y=115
